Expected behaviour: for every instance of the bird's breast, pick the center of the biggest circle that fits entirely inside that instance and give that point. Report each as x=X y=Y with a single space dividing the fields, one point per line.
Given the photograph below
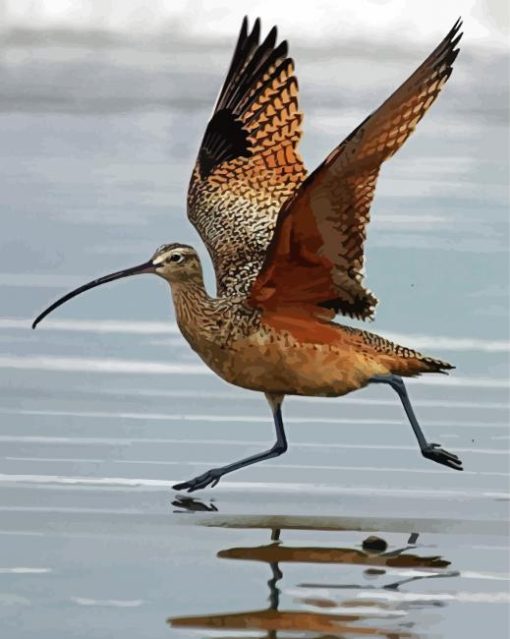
x=274 y=361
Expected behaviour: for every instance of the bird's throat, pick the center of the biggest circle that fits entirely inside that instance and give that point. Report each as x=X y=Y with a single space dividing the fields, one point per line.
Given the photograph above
x=195 y=310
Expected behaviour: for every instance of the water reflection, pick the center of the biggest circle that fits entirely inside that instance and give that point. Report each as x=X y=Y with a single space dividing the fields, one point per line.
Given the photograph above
x=322 y=612
x=188 y=504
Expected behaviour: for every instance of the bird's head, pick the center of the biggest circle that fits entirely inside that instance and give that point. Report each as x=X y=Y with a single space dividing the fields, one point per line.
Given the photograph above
x=175 y=263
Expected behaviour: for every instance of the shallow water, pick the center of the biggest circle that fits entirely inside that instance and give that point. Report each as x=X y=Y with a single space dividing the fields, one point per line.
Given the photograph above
x=105 y=407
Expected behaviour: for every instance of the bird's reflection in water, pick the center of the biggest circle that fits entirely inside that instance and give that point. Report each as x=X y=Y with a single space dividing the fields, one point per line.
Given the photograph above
x=188 y=505
x=365 y=615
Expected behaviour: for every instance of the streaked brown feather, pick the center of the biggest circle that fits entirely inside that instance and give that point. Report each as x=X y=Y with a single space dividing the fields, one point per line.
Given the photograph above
x=316 y=255
x=248 y=164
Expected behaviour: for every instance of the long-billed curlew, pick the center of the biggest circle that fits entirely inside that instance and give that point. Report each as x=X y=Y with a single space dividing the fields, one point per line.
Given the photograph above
x=287 y=248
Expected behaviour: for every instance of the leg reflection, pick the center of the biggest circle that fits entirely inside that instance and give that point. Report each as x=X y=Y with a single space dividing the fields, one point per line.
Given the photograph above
x=344 y=617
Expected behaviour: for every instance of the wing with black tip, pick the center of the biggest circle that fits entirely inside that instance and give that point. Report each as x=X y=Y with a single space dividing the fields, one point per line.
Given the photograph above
x=248 y=164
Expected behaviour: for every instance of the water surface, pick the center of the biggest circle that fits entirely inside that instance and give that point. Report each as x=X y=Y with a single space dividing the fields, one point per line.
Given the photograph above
x=105 y=407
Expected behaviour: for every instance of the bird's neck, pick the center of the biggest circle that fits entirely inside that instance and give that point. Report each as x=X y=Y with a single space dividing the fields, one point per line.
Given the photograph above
x=195 y=311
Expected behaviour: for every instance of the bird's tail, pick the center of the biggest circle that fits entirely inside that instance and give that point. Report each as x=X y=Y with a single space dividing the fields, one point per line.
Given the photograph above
x=409 y=363
x=431 y=365
x=401 y=360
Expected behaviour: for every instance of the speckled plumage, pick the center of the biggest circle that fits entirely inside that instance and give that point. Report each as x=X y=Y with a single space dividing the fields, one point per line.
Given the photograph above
x=271 y=231
x=321 y=230
x=287 y=246
x=235 y=202
x=288 y=250
x=288 y=352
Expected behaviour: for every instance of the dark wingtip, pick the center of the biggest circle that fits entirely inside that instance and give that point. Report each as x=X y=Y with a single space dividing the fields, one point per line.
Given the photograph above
x=255 y=32
x=243 y=31
x=283 y=48
x=456 y=41
x=456 y=27
x=454 y=36
x=271 y=38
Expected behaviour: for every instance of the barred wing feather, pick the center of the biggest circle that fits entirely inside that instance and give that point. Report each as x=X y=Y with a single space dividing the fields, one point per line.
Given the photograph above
x=316 y=256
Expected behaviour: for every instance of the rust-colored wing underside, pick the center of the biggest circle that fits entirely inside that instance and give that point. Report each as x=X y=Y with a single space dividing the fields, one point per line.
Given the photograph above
x=248 y=164
x=316 y=256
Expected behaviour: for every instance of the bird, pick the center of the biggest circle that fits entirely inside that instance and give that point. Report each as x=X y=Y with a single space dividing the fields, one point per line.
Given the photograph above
x=287 y=246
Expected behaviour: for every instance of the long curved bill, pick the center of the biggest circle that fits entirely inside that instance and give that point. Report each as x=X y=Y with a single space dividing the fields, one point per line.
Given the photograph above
x=147 y=267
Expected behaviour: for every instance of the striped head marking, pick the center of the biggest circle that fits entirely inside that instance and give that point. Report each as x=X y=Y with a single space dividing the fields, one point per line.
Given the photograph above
x=177 y=263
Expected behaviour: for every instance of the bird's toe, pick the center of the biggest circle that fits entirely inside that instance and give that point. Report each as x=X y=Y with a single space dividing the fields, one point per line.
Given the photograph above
x=441 y=456
x=210 y=478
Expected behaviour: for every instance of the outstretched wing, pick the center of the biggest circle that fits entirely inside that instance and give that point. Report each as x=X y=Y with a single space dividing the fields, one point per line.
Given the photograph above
x=316 y=254
x=248 y=165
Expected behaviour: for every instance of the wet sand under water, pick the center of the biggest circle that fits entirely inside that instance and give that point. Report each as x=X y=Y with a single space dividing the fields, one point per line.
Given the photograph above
x=85 y=562
x=351 y=533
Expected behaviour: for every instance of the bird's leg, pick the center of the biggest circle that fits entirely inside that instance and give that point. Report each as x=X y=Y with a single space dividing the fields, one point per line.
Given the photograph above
x=213 y=476
x=428 y=450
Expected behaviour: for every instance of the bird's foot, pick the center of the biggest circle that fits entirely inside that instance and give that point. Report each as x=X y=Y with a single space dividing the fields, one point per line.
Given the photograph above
x=437 y=454
x=210 y=478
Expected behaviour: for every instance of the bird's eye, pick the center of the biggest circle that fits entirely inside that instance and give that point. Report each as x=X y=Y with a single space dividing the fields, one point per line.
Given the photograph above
x=176 y=257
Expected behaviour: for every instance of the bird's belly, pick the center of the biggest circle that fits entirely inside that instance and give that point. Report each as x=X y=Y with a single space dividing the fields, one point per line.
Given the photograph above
x=284 y=367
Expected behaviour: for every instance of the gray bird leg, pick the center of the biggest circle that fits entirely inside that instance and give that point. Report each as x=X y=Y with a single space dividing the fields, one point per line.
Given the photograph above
x=213 y=476
x=428 y=450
